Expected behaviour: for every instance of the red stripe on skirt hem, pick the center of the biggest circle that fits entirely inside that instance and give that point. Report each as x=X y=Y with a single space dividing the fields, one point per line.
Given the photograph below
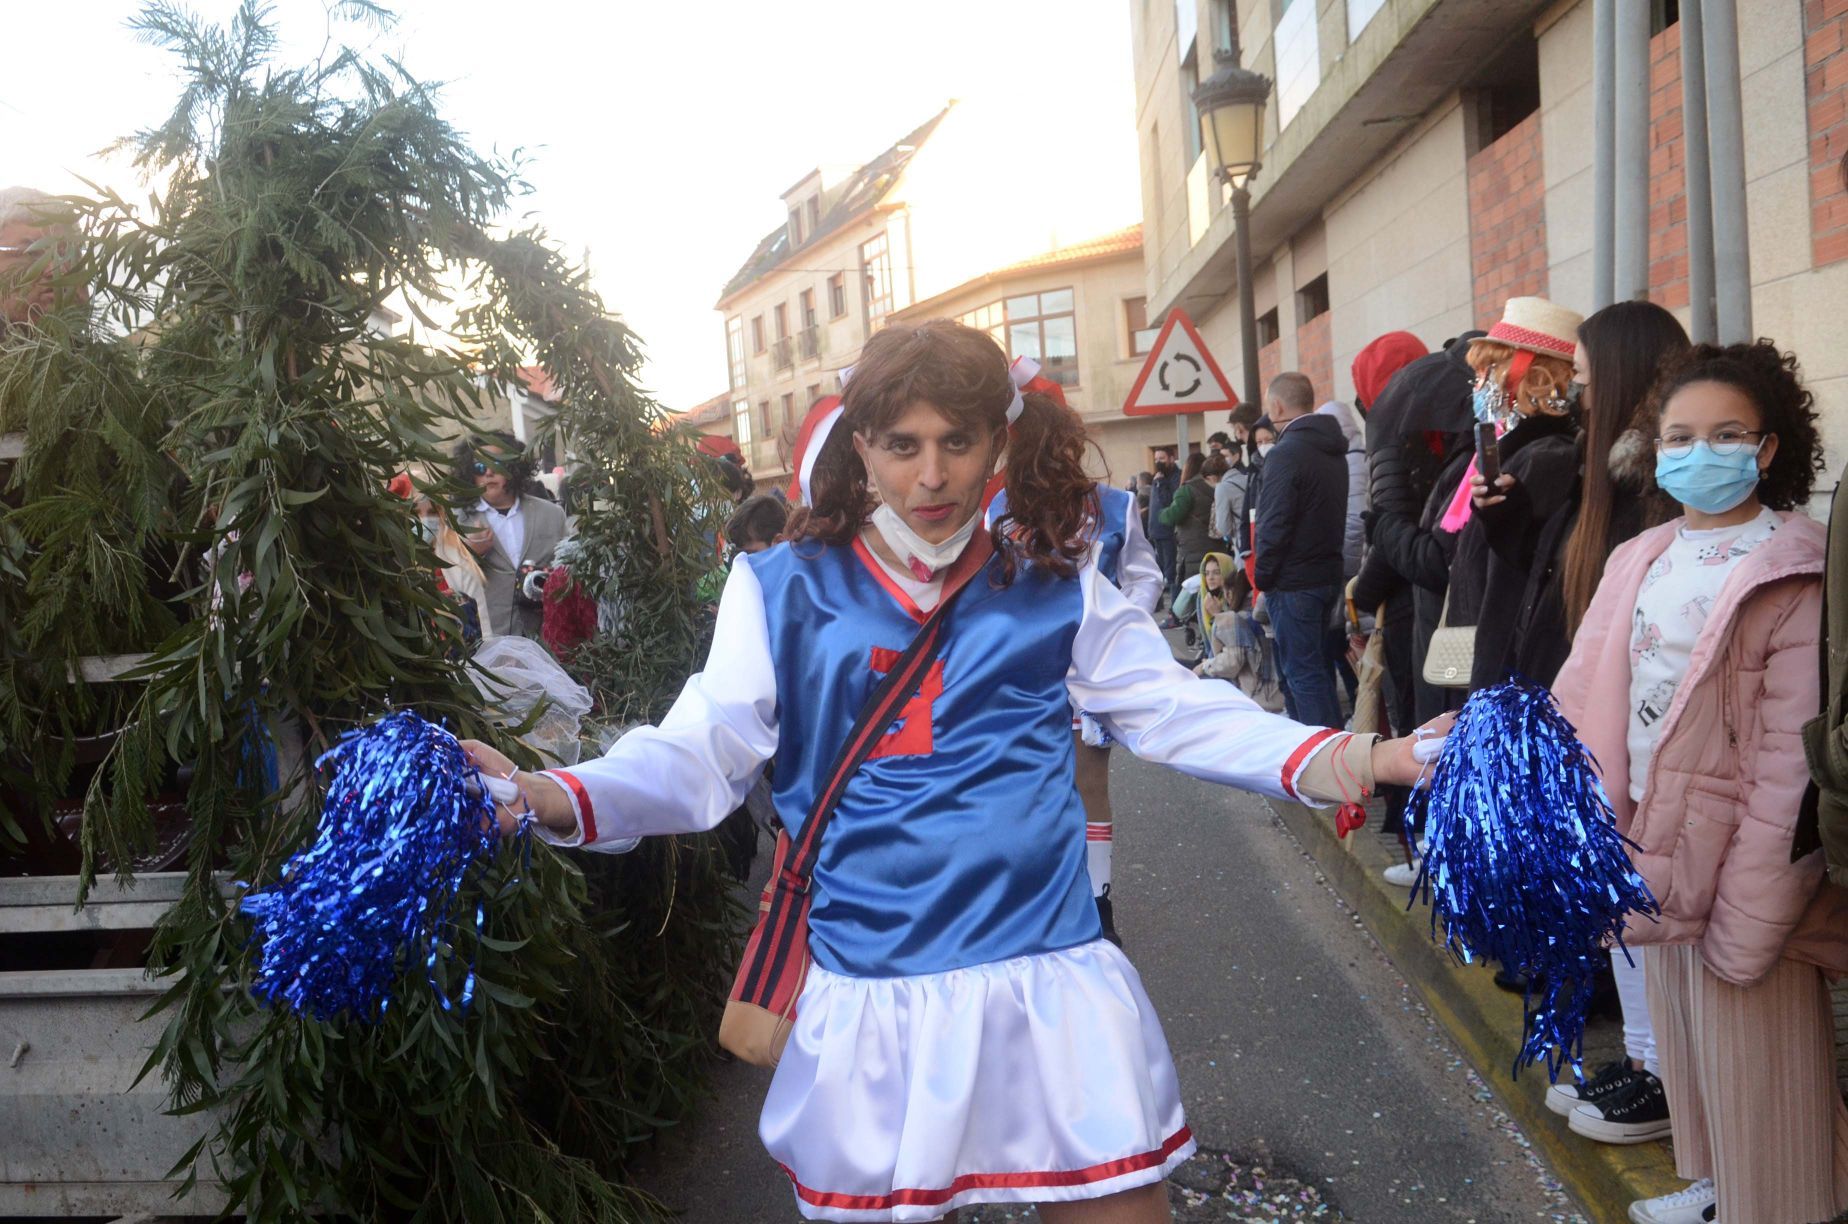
x=994 y=1181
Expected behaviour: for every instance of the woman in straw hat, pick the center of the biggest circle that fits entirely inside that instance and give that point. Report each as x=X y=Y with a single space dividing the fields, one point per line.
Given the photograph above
x=1523 y=388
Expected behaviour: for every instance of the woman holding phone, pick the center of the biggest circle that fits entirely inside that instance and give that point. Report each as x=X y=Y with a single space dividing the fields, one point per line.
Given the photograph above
x=1527 y=437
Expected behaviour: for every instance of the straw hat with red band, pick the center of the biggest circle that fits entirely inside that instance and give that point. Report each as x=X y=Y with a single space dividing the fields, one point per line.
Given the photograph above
x=1535 y=325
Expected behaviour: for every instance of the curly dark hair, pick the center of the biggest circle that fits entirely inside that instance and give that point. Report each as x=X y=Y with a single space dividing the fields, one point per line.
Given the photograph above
x=512 y=462
x=1772 y=381
x=1050 y=497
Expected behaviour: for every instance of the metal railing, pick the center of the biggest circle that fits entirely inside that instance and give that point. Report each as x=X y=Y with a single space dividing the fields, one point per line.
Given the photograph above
x=808 y=342
x=782 y=353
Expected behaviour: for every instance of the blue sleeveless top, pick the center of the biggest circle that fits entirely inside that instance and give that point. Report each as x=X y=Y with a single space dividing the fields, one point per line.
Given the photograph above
x=961 y=841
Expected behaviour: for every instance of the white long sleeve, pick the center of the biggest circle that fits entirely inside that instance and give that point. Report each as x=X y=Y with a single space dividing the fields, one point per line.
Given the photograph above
x=689 y=773
x=1138 y=572
x=1123 y=673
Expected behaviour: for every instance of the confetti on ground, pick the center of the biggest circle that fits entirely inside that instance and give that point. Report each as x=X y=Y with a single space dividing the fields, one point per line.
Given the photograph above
x=1215 y=1188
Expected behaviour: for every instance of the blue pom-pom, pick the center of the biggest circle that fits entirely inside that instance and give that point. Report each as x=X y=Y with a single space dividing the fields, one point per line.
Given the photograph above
x=1526 y=867
x=375 y=893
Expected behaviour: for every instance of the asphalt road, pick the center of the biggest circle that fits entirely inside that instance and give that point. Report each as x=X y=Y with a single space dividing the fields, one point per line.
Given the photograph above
x=1317 y=1086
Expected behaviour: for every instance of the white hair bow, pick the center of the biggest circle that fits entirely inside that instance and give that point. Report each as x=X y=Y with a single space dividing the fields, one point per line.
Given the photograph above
x=1023 y=371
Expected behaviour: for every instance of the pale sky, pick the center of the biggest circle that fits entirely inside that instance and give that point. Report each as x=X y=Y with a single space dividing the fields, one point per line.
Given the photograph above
x=662 y=131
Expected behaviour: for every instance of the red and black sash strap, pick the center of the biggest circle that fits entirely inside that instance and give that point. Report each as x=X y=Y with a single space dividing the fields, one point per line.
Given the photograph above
x=785 y=926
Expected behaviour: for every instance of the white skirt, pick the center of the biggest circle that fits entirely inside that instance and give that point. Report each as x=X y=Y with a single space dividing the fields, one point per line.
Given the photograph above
x=1043 y=1078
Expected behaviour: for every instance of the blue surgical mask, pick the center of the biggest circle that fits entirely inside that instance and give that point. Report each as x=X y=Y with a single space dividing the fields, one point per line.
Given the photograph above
x=1704 y=481
x=1487 y=402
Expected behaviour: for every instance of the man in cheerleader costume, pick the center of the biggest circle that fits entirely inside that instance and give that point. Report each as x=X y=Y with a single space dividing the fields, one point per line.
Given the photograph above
x=963 y=1034
x=1123 y=555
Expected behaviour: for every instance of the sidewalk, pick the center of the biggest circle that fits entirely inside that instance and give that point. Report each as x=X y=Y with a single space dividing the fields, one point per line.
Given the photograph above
x=1484 y=1020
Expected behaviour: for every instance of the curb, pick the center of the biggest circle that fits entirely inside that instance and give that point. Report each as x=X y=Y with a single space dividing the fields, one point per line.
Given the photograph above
x=1484 y=1020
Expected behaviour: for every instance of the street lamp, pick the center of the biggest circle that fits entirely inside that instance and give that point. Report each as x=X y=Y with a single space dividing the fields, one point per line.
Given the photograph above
x=1231 y=108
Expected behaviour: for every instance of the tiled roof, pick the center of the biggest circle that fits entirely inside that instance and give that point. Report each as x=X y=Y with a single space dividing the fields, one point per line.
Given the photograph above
x=859 y=193
x=1122 y=242
x=714 y=409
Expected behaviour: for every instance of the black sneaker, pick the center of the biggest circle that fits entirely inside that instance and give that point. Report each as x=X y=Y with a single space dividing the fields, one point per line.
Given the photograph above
x=1104 y=916
x=1616 y=1077
x=1636 y=1115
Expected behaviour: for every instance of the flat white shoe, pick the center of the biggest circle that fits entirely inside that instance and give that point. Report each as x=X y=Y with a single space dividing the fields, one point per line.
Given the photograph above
x=1686 y=1206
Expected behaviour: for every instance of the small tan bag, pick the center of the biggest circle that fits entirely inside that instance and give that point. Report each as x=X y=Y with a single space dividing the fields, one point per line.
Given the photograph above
x=1452 y=651
x=756 y=1034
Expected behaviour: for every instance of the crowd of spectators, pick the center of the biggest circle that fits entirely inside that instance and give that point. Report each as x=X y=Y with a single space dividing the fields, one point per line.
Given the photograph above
x=1599 y=506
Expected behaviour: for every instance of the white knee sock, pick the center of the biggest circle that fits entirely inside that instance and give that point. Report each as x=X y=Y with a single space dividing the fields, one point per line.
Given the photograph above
x=1638 y=1036
x=1097 y=855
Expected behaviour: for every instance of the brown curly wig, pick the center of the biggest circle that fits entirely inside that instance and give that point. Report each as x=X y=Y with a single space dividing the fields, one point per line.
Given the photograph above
x=964 y=373
x=1772 y=381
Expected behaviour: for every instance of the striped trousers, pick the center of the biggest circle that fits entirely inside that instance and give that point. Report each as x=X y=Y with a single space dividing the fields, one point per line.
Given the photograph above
x=1750 y=1076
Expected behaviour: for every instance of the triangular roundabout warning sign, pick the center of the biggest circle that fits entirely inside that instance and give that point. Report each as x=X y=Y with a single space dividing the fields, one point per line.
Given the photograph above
x=1180 y=375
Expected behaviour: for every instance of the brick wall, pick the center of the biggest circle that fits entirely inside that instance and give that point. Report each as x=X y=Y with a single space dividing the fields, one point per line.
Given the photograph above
x=1507 y=219
x=1825 y=59
x=1315 y=356
x=1270 y=364
x=1668 y=175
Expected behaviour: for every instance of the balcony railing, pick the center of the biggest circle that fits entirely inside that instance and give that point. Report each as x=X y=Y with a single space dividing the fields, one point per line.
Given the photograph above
x=808 y=342
x=783 y=353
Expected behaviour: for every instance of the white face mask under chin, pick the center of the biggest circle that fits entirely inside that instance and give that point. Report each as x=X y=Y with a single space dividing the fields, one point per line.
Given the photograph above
x=920 y=556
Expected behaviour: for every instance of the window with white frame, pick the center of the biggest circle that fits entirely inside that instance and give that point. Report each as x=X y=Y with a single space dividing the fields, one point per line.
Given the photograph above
x=734 y=349
x=989 y=319
x=1190 y=114
x=876 y=279
x=1042 y=326
x=1299 y=67
x=1186 y=25
x=1141 y=335
x=741 y=422
x=1359 y=13
x=1225 y=27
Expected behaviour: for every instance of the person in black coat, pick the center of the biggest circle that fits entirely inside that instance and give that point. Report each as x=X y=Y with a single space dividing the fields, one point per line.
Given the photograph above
x=1525 y=385
x=1610 y=496
x=1420 y=551
x=1161 y=535
x=1301 y=527
x=1496 y=551
x=1416 y=431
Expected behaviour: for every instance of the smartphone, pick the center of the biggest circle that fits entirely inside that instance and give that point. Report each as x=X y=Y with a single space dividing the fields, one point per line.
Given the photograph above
x=1488 y=454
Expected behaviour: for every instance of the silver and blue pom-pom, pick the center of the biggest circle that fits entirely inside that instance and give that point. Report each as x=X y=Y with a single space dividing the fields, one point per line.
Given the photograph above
x=405 y=821
x=1526 y=867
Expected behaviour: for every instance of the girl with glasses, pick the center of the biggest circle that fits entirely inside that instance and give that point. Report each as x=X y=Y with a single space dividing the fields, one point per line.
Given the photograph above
x=1690 y=679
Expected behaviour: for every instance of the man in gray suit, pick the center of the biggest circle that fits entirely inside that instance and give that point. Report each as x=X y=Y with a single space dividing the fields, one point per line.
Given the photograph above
x=514 y=533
